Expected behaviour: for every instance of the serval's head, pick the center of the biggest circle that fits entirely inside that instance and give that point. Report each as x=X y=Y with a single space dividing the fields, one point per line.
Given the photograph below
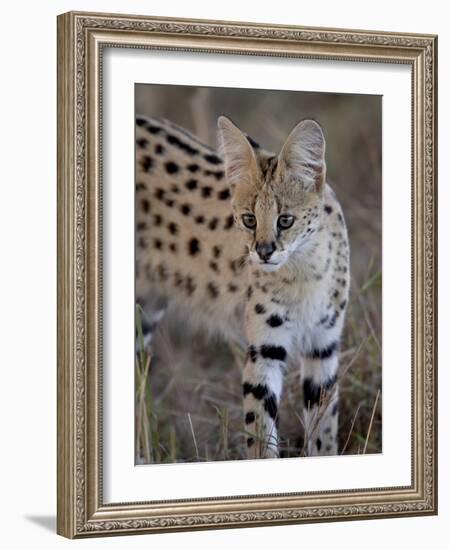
x=276 y=199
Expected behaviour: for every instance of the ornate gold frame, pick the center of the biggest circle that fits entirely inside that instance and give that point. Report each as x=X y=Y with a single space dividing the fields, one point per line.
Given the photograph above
x=81 y=38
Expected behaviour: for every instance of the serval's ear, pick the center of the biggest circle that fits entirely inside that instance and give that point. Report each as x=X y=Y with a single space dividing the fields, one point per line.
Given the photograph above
x=240 y=161
x=302 y=156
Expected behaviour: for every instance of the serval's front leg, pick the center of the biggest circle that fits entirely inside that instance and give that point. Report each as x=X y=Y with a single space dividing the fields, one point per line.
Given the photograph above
x=320 y=393
x=269 y=337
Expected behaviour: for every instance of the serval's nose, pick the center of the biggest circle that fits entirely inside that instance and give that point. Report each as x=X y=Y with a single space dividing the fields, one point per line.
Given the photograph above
x=265 y=250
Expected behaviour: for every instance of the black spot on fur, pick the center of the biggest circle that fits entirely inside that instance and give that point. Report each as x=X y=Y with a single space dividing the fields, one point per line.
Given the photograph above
x=250 y=417
x=159 y=149
x=343 y=305
x=332 y=320
x=213 y=290
x=141 y=242
x=232 y=287
x=252 y=353
x=193 y=168
x=145 y=205
x=276 y=353
x=249 y=292
x=270 y=406
x=173 y=228
x=185 y=209
x=334 y=410
x=274 y=321
x=224 y=194
x=192 y=184
x=174 y=189
x=178 y=279
x=259 y=392
x=140 y=186
x=158 y=244
x=141 y=226
x=340 y=218
x=171 y=167
x=327 y=209
x=190 y=285
x=213 y=224
x=142 y=142
x=323 y=353
x=173 y=247
x=153 y=129
x=250 y=441
x=311 y=393
x=216 y=251
x=314 y=392
x=170 y=202
x=206 y=191
x=174 y=140
x=140 y=121
x=318 y=444
x=259 y=309
x=162 y=271
x=237 y=265
x=194 y=247
x=217 y=174
x=199 y=220
x=159 y=193
x=157 y=220
x=213 y=159
x=214 y=266
x=229 y=222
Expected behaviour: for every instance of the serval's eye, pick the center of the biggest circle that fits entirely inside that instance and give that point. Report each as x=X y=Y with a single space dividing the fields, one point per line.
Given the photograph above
x=285 y=221
x=249 y=221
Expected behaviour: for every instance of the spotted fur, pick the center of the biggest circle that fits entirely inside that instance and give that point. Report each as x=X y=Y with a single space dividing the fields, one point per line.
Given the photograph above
x=253 y=245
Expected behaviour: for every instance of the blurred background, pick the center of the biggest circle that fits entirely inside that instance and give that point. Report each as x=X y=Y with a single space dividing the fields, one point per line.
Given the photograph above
x=188 y=394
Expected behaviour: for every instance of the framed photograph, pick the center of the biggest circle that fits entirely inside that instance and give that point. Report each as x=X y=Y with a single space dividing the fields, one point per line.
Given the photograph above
x=246 y=274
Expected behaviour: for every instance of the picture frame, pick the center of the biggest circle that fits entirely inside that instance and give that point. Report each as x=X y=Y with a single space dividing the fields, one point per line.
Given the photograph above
x=82 y=40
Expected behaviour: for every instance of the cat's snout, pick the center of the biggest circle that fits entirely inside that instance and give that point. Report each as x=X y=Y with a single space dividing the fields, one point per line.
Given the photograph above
x=265 y=250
